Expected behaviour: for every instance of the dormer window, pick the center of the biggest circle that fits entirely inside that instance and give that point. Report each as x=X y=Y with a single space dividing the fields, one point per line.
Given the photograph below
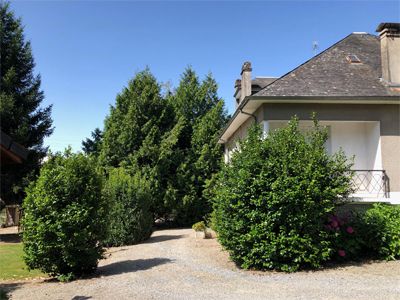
x=353 y=59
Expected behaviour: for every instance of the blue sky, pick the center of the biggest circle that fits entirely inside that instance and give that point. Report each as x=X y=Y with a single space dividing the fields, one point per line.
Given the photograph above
x=87 y=51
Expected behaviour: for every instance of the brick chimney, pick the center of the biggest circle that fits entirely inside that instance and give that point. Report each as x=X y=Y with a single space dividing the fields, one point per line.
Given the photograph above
x=389 y=34
x=246 y=80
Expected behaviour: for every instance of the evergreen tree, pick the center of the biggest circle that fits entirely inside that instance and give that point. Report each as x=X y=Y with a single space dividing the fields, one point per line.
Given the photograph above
x=141 y=134
x=171 y=141
x=193 y=99
x=93 y=145
x=199 y=105
x=21 y=115
x=140 y=116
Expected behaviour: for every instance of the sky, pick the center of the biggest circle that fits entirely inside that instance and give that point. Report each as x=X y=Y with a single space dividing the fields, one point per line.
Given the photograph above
x=87 y=51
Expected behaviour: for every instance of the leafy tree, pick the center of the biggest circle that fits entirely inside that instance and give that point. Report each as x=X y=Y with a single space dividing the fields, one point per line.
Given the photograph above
x=93 y=145
x=273 y=199
x=21 y=115
x=64 y=222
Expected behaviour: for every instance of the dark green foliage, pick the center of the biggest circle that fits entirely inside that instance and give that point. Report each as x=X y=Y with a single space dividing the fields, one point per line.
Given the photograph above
x=20 y=98
x=273 y=199
x=203 y=111
x=93 y=145
x=64 y=217
x=139 y=117
x=172 y=142
x=193 y=99
x=380 y=230
x=129 y=220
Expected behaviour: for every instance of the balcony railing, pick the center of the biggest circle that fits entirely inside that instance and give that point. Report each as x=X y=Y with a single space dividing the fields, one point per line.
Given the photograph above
x=374 y=183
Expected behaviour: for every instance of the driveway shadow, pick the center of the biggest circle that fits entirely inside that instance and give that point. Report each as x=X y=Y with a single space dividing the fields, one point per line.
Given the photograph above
x=128 y=266
x=8 y=288
x=162 y=238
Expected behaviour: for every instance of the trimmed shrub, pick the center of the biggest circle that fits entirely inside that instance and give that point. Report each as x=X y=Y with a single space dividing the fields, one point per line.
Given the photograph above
x=380 y=228
x=130 y=219
x=274 y=197
x=64 y=217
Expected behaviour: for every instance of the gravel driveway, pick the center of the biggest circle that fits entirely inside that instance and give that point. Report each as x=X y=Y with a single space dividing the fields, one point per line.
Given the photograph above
x=173 y=264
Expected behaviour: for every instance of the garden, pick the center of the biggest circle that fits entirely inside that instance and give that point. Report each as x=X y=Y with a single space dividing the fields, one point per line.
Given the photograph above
x=280 y=204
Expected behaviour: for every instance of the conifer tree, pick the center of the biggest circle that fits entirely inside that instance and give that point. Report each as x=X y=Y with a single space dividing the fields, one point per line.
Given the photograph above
x=139 y=116
x=21 y=114
x=171 y=141
x=93 y=145
x=197 y=102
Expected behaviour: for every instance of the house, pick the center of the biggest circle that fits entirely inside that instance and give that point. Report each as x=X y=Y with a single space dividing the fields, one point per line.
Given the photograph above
x=11 y=153
x=354 y=87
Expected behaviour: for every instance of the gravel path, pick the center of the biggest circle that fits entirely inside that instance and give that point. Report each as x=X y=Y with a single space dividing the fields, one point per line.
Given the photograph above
x=173 y=264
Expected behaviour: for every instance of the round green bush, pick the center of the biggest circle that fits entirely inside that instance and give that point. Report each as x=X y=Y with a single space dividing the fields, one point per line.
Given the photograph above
x=130 y=219
x=64 y=217
x=273 y=199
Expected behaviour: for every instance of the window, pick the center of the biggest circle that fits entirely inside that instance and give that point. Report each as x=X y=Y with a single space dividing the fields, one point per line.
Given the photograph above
x=353 y=59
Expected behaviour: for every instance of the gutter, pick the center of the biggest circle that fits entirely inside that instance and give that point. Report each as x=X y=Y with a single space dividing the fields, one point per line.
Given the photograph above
x=308 y=99
x=237 y=111
x=252 y=115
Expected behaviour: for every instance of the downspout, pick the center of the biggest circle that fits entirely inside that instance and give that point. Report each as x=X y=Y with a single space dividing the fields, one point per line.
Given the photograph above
x=246 y=113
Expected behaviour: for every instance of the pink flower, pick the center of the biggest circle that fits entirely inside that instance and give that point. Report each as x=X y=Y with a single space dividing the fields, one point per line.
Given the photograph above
x=342 y=253
x=334 y=224
x=350 y=229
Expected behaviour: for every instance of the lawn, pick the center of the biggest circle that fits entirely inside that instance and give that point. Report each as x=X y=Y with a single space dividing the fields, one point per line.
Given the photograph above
x=12 y=265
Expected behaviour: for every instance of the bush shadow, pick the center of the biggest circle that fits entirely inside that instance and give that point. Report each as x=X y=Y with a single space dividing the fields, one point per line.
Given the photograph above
x=10 y=238
x=8 y=288
x=162 y=238
x=128 y=266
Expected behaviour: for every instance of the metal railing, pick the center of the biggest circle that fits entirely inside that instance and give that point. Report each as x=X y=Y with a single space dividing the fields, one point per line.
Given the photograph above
x=372 y=182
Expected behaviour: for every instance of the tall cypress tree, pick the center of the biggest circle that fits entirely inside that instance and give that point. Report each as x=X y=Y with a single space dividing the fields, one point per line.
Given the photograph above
x=21 y=115
x=139 y=117
x=198 y=103
x=141 y=135
x=171 y=142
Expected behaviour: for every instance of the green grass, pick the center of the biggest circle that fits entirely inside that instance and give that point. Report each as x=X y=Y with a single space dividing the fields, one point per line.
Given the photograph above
x=12 y=265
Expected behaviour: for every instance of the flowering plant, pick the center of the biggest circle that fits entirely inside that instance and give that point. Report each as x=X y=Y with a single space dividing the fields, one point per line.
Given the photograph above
x=346 y=241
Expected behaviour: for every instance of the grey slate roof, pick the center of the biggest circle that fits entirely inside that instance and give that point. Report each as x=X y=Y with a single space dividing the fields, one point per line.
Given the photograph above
x=259 y=83
x=331 y=74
